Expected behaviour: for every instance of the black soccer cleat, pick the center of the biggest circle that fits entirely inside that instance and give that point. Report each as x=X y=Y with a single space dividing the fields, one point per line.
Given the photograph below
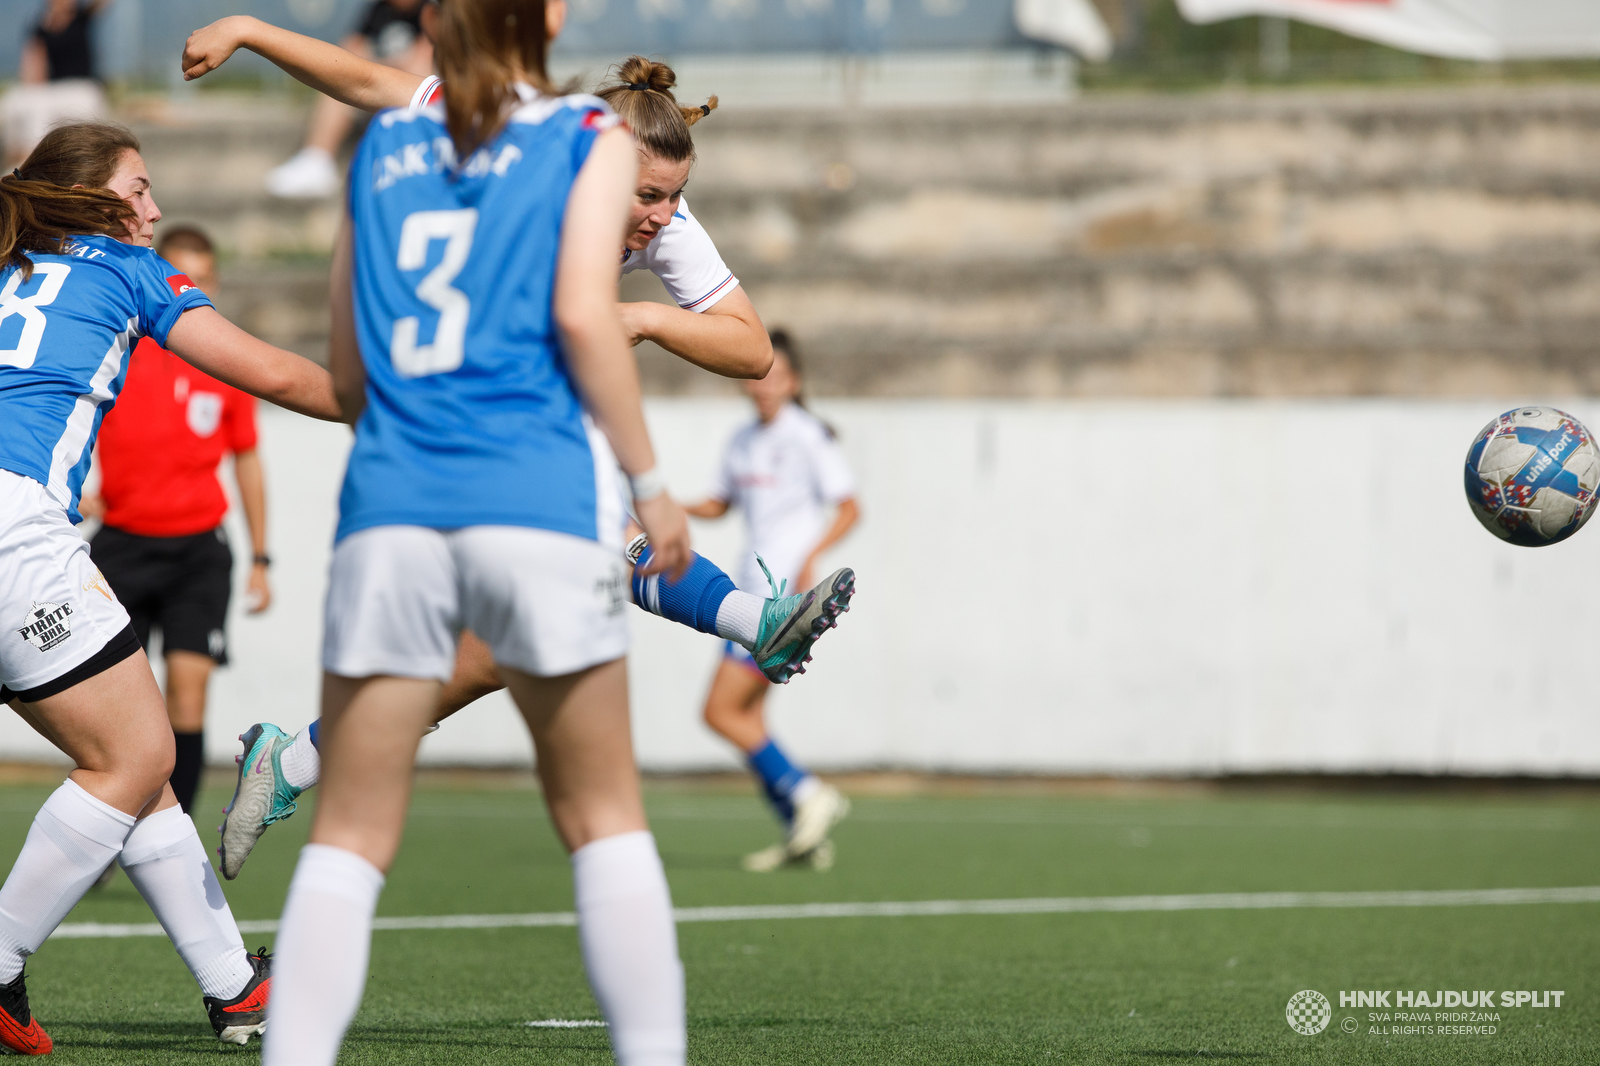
x=236 y=1020
x=19 y=1033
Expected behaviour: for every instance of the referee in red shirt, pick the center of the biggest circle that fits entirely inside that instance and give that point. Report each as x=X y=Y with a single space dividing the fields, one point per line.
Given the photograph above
x=162 y=546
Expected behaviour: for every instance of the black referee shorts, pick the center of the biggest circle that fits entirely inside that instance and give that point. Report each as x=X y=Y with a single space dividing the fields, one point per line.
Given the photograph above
x=180 y=584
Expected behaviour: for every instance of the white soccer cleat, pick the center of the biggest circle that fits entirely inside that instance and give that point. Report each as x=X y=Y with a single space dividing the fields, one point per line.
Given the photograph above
x=814 y=818
x=261 y=797
x=310 y=175
x=767 y=860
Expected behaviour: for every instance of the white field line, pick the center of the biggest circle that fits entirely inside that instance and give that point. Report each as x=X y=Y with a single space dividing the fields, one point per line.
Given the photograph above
x=1217 y=901
x=562 y=1023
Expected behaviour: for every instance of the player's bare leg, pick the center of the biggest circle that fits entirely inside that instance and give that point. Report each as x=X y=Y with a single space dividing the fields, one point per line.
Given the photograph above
x=370 y=731
x=809 y=808
x=582 y=734
x=118 y=806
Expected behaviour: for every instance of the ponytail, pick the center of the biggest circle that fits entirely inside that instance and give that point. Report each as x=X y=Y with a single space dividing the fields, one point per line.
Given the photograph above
x=480 y=46
x=641 y=93
x=41 y=211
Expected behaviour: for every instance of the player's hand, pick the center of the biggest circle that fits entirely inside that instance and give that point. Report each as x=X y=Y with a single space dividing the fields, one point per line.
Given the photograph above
x=209 y=47
x=259 y=592
x=668 y=526
x=92 y=507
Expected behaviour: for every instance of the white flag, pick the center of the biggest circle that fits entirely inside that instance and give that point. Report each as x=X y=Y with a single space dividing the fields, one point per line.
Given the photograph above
x=1461 y=29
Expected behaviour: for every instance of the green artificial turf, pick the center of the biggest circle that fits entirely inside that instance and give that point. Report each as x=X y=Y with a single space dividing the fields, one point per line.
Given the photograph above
x=1082 y=988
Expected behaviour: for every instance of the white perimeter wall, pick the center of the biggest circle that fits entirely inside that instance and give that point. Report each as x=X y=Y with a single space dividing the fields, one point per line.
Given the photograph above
x=1136 y=587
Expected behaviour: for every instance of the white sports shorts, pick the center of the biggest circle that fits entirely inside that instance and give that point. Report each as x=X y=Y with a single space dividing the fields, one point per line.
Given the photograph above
x=546 y=603
x=57 y=614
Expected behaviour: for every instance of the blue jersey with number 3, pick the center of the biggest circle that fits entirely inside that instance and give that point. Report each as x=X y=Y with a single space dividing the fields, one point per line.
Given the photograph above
x=65 y=335
x=471 y=416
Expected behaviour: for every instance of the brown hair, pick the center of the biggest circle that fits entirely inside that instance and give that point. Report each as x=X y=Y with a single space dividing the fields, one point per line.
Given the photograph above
x=784 y=344
x=642 y=95
x=481 y=45
x=185 y=239
x=40 y=211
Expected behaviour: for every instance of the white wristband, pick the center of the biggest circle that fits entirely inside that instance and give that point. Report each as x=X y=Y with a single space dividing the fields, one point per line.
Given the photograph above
x=648 y=485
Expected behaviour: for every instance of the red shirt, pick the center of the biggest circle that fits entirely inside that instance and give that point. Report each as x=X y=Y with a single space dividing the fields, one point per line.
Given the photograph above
x=161 y=444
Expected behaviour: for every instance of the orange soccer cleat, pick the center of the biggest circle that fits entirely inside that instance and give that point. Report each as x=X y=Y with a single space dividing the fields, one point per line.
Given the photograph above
x=19 y=1033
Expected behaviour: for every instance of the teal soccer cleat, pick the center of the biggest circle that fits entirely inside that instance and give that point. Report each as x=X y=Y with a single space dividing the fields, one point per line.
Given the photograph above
x=261 y=797
x=791 y=624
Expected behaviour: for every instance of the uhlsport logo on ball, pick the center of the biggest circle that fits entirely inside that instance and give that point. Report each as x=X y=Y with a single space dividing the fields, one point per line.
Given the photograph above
x=1308 y=1012
x=1531 y=476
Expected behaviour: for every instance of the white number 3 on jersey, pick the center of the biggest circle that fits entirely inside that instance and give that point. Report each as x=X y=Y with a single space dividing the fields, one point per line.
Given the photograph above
x=420 y=230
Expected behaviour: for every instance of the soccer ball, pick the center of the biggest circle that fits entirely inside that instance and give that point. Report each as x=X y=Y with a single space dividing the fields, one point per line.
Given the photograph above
x=1531 y=476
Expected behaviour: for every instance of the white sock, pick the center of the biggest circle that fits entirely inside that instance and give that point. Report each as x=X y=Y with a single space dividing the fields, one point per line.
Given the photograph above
x=166 y=862
x=630 y=947
x=302 y=765
x=739 y=618
x=804 y=789
x=320 y=968
x=74 y=837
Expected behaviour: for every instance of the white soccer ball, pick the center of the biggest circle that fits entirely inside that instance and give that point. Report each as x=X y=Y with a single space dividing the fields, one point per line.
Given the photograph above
x=1532 y=475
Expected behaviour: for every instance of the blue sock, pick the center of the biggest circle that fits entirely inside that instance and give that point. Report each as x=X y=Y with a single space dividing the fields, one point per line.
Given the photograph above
x=692 y=601
x=778 y=775
x=313 y=729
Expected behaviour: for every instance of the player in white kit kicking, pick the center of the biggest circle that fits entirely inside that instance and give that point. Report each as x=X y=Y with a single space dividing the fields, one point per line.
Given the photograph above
x=784 y=471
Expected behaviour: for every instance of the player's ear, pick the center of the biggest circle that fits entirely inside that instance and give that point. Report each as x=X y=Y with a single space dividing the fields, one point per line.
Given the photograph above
x=430 y=21
x=555 y=17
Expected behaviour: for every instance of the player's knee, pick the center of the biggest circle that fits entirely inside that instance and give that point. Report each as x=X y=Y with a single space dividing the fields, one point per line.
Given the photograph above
x=147 y=763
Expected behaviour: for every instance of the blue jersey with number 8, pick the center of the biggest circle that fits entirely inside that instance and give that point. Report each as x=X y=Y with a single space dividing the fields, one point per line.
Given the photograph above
x=471 y=415
x=65 y=335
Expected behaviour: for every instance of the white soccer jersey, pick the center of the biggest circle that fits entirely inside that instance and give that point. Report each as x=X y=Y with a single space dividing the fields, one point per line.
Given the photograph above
x=684 y=258
x=783 y=476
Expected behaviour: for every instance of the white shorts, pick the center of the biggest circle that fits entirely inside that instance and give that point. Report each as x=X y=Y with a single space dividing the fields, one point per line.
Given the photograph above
x=57 y=614
x=546 y=603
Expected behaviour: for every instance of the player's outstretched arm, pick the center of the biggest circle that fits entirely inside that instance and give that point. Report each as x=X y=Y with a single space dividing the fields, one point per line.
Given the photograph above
x=727 y=338
x=206 y=340
x=585 y=305
x=325 y=67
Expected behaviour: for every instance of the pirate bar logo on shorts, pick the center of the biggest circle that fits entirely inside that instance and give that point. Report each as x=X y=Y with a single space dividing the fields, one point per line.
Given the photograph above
x=1309 y=1012
x=48 y=625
